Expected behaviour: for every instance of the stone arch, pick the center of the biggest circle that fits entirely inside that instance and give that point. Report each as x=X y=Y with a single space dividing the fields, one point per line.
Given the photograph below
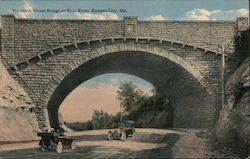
x=55 y=81
x=108 y=41
x=115 y=48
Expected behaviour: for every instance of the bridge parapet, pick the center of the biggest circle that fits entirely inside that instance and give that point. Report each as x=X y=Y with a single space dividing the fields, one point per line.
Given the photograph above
x=25 y=38
x=130 y=26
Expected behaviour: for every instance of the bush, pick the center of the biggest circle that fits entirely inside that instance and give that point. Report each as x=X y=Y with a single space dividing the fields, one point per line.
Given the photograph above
x=79 y=126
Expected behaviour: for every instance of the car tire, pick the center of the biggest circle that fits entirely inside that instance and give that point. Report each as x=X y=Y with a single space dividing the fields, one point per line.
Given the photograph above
x=123 y=136
x=110 y=136
x=73 y=145
x=43 y=149
x=59 y=147
x=46 y=144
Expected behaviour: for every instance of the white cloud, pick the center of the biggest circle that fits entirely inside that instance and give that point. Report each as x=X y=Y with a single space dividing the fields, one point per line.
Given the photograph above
x=243 y=12
x=204 y=14
x=87 y=16
x=157 y=18
x=28 y=9
x=198 y=14
x=230 y=14
x=215 y=11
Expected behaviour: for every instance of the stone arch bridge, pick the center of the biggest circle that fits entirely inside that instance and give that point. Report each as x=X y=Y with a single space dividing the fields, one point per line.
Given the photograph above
x=180 y=58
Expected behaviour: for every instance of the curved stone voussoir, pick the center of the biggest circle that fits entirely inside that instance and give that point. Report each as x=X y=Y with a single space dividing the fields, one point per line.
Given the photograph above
x=109 y=41
x=118 y=47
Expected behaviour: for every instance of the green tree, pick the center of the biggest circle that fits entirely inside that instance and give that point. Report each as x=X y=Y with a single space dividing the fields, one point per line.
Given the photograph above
x=100 y=119
x=129 y=95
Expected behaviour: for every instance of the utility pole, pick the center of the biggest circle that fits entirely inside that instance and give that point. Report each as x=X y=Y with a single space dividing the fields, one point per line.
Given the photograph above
x=222 y=76
x=120 y=111
x=154 y=95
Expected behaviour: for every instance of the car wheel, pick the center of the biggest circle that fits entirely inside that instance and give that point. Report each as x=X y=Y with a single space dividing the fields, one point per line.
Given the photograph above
x=59 y=147
x=45 y=144
x=110 y=136
x=123 y=136
x=43 y=148
x=73 y=145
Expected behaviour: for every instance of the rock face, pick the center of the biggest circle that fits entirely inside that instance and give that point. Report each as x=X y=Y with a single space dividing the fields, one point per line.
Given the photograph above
x=233 y=126
x=17 y=116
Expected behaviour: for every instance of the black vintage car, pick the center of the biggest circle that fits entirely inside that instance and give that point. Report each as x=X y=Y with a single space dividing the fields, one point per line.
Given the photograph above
x=55 y=140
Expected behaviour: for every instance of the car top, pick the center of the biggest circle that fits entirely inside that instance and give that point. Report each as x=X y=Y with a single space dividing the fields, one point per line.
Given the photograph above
x=128 y=121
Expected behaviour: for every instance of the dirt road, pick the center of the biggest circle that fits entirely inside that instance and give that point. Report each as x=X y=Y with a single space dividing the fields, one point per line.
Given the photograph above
x=147 y=143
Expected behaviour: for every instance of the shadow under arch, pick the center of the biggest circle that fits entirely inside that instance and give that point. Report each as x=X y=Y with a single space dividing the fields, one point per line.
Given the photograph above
x=191 y=99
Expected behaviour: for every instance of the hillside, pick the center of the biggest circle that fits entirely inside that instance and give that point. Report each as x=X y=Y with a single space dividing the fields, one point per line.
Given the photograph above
x=232 y=129
x=158 y=119
x=17 y=116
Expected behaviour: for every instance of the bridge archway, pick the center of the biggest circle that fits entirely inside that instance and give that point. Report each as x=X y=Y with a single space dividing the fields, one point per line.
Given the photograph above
x=186 y=87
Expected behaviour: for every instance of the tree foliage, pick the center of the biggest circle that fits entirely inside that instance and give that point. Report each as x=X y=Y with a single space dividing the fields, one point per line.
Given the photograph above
x=134 y=101
x=129 y=96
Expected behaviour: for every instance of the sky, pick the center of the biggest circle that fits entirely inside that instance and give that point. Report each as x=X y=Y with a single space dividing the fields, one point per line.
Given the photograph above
x=144 y=9
x=100 y=92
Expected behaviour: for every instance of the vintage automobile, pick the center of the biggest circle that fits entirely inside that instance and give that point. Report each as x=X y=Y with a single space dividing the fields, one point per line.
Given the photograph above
x=125 y=130
x=55 y=140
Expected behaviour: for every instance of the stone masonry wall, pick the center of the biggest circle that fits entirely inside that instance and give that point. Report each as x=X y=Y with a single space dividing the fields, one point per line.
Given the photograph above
x=44 y=76
x=22 y=40
x=31 y=37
